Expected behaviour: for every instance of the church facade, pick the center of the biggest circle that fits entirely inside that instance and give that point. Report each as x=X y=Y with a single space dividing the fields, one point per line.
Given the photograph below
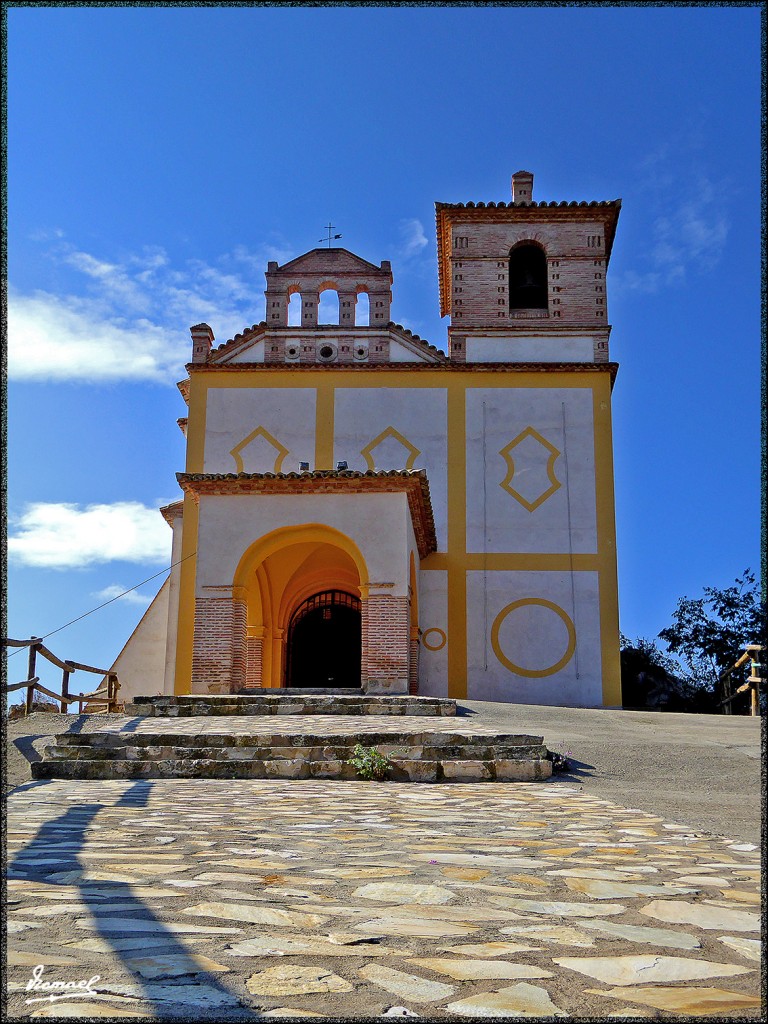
x=362 y=510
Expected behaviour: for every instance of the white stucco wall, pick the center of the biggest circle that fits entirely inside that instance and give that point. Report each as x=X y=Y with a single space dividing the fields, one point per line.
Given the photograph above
x=229 y=525
x=529 y=350
x=419 y=414
x=232 y=414
x=433 y=622
x=534 y=638
x=509 y=525
x=140 y=666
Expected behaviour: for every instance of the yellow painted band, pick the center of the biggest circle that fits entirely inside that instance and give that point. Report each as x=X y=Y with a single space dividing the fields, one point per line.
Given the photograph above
x=457 y=541
x=324 y=425
x=606 y=545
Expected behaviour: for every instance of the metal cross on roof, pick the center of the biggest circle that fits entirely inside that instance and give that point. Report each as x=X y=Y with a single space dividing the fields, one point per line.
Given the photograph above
x=331 y=237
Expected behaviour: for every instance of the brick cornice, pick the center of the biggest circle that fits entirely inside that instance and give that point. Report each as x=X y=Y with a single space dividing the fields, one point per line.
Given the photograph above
x=173 y=511
x=413 y=483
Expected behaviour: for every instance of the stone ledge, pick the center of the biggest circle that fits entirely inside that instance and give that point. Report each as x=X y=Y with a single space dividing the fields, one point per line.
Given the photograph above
x=407 y=770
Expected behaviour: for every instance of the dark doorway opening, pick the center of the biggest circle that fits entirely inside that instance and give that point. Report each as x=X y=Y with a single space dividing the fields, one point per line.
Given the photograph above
x=325 y=642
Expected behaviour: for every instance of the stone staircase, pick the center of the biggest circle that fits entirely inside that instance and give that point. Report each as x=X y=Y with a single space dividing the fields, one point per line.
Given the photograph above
x=292 y=736
x=290 y=702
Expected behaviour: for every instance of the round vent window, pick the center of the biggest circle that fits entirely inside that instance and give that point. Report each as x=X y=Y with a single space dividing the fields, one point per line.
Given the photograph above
x=292 y=351
x=361 y=351
x=327 y=352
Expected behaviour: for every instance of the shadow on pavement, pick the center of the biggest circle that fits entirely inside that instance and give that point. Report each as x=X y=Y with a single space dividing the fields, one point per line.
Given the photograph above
x=25 y=746
x=576 y=770
x=62 y=840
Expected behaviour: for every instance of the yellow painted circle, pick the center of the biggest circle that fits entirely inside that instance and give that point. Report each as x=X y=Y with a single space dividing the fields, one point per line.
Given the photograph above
x=540 y=672
x=442 y=639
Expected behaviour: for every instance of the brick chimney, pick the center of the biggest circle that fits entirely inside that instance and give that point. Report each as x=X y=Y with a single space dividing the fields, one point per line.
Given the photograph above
x=202 y=340
x=522 y=187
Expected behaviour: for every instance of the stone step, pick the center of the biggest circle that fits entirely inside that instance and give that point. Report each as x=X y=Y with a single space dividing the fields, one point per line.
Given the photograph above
x=317 y=749
x=289 y=702
x=403 y=770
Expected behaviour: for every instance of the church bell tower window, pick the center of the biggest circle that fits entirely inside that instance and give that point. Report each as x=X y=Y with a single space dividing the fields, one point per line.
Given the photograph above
x=527 y=278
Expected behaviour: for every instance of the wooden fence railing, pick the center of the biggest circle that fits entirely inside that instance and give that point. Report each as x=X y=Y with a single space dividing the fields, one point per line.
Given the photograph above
x=104 y=698
x=753 y=653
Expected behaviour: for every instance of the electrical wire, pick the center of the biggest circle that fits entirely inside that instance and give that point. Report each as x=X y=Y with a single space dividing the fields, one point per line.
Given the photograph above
x=105 y=603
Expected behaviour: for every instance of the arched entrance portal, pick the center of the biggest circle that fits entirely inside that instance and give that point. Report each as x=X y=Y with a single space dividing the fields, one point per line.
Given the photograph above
x=325 y=642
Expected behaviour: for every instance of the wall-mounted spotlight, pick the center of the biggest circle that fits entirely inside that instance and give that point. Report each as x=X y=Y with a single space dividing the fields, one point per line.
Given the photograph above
x=342 y=465
x=304 y=467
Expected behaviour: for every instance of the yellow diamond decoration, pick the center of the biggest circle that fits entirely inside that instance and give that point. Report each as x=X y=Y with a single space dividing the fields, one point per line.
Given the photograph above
x=413 y=451
x=280 y=450
x=551 y=452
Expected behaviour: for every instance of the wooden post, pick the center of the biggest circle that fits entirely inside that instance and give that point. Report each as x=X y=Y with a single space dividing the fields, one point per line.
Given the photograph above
x=31 y=672
x=111 y=692
x=65 y=687
x=727 y=708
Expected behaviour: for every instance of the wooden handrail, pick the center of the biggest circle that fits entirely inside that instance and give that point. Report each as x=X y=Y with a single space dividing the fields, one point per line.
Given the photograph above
x=20 y=686
x=751 y=654
x=51 y=657
x=88 y=668
x=32 y=683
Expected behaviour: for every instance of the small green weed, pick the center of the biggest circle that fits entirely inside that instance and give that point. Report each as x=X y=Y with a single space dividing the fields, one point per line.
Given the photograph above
x=369 y=763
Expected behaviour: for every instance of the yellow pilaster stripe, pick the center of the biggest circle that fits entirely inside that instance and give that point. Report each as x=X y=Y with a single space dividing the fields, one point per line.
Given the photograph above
x=457 y=543
x=324 y=415
x=198 y=395
x=606 y=543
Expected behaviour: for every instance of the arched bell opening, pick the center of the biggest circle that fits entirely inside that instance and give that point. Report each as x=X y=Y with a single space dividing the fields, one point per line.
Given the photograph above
x=324 y=646
x=527 y=277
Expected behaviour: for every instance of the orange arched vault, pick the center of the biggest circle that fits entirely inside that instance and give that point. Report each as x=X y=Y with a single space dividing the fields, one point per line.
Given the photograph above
x=278 y=573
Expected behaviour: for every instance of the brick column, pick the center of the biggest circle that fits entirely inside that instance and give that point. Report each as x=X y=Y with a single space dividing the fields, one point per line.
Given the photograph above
x=386 y=642
x=255 y=656
x=219 y=653
x=309 y=302
x=347 y=304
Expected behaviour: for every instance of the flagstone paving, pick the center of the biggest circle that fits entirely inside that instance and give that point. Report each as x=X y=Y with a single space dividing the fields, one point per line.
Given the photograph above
x=250 y=899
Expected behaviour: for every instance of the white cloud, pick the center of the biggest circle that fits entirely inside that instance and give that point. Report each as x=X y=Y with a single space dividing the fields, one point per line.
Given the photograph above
x=132 y=322
x=58 y=535
x=128 y=596
x=52 y=338
x=413 y=239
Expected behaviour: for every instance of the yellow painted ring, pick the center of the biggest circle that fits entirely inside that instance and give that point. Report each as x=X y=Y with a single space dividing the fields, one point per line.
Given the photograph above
x=540 y=672
x=440 y=633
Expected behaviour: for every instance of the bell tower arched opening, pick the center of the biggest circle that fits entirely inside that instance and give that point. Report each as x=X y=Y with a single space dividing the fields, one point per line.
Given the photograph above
x=527 y=277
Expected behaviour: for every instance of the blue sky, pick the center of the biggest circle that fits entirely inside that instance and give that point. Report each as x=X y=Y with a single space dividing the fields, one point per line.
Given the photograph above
x=158 y=157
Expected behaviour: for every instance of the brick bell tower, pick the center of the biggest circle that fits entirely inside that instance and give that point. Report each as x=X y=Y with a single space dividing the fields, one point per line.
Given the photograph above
x=524 y=281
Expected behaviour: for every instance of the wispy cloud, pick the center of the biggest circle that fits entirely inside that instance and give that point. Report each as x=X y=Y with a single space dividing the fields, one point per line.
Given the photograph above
x=118 y=590
x=412 y=238
x=130 y=318
x=687 y=236
x=59 y=535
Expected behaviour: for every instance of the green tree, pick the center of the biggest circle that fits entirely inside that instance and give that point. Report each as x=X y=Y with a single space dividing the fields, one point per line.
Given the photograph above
x=709 y=633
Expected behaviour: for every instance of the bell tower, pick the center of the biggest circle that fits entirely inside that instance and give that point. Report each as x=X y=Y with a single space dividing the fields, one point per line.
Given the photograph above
x=524 y=281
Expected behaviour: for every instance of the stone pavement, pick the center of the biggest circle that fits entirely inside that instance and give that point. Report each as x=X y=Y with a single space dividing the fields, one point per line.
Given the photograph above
x=237 y=900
